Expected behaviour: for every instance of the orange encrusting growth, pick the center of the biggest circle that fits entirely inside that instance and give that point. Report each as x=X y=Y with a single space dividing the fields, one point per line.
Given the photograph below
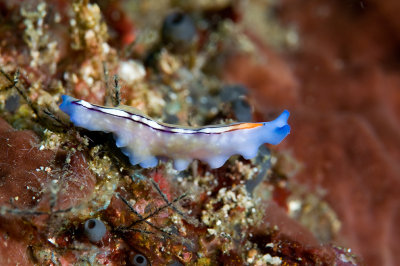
x=244 y=126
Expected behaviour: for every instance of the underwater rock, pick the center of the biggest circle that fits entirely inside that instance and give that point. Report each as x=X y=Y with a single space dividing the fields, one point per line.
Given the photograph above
x=199 y=216
x=20 y=158
x=344 y=94
x=267 y=76
x=26 y=171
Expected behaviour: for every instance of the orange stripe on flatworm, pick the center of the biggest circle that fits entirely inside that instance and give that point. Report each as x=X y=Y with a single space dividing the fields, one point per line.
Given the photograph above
x=245 y=126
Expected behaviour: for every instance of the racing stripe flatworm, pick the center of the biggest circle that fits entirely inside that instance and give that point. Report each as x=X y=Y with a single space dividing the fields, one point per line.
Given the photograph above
x=145 y=140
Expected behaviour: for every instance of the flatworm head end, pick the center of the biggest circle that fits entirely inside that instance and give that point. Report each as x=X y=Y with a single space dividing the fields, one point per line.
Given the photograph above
x=275 y=131
x=256 y=134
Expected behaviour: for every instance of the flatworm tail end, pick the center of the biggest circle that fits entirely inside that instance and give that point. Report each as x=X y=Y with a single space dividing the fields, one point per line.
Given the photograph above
x=275 y=131
x=65 y=106
x=80 y=114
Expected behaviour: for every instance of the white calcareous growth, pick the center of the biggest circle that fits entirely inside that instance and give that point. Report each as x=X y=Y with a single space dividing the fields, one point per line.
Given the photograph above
x=131 y=71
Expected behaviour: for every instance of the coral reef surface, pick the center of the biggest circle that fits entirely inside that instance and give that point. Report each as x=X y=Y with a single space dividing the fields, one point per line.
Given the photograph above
x=326 y=196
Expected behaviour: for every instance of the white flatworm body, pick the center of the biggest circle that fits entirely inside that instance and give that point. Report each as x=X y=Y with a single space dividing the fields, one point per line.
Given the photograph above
x=145 y=141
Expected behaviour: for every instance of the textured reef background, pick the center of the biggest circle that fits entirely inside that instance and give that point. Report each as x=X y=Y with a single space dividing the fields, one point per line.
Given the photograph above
x=327 y=195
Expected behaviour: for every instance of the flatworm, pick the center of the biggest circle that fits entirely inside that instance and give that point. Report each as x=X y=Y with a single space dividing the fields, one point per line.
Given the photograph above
x=145 y=141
